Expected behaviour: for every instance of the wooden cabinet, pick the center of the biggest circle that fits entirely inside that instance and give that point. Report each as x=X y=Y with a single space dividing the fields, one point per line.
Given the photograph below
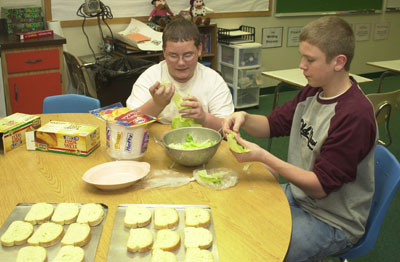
x=210 y=34
x=32 y=70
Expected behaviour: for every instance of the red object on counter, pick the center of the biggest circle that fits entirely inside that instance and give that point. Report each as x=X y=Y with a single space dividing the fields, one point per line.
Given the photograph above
x=36 y=34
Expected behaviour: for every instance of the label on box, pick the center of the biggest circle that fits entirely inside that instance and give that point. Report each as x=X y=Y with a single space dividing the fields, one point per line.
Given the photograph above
x=13 y=128
x=68 y=138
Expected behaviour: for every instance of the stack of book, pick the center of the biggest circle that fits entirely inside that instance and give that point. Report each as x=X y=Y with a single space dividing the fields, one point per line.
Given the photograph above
x=127 y=49
x=23 y=19
x=205 y=39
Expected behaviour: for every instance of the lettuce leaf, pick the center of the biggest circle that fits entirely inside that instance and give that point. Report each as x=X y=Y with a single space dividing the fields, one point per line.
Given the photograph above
x=215 y=178
x=234 y=145
x=178 y=122
x=178 y=100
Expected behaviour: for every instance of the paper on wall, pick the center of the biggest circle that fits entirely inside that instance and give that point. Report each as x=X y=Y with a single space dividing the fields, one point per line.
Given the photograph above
x=137 y=27
x=56 y=27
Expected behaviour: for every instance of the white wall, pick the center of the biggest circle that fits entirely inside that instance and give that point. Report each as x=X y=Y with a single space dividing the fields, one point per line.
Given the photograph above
x=278 y=58
x=273 y=58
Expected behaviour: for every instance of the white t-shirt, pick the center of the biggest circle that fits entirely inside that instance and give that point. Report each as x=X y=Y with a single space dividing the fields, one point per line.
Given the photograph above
x=206 y=84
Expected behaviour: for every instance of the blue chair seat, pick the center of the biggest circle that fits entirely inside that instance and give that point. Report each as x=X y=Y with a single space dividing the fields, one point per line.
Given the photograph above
x=387 y=181
x=69 y=103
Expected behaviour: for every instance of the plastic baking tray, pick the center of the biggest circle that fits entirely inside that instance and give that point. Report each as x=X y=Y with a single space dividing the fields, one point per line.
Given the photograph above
x=120 y=234
x=19 y=212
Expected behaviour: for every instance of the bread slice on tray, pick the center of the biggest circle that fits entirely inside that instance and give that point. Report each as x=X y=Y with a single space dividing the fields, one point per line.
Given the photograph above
x=17 y=233
x=70 y=254
x=39 y=213
x=47 y=234
x=165 y=217
x=140 y=240
x=159 y=255
x=195 y=254
x=167 y=240
x=91 y=213
x=65 y=213
x=137 y=216
x=198 y=237
x=77 y=235
x=197 y=217
x=32 y=254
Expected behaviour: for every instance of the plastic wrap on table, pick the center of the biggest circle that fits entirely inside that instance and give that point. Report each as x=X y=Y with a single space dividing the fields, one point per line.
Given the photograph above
x=216 y=178
x=163 y=178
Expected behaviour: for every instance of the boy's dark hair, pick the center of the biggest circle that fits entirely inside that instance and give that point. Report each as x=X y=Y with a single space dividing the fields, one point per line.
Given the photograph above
x=180 y=30
x=333 y=35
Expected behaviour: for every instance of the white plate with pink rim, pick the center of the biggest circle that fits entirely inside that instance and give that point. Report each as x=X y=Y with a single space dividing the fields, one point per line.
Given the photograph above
x=116 y=174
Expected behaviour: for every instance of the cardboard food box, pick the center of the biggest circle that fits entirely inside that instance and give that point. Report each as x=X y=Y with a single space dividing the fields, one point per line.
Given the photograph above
x=67 y=138
x=13 y=129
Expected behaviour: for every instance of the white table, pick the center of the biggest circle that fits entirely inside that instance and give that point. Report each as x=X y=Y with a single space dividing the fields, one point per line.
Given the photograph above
x=296 y=78
x=391 y=67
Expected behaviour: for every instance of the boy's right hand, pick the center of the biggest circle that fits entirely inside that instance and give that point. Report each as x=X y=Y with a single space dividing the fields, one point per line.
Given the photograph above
x=162 y=93
x=233 y=122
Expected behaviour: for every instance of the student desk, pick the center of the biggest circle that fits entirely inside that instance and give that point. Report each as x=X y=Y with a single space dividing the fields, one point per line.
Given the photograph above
x=391 y=67
x=252 y=220
x=296 y=78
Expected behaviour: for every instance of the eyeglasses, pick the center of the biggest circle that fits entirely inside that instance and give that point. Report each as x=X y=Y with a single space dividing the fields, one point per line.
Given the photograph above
x=187 y=57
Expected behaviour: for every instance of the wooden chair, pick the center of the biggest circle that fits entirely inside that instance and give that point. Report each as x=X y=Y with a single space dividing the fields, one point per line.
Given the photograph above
x=385 y=105
x=79 y=75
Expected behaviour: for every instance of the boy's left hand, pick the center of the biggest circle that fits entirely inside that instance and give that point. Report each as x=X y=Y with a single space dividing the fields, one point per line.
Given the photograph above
x=255 y=154
x=196 y=111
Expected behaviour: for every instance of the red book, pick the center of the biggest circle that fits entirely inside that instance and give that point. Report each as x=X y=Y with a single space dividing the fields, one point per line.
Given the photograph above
x=36 y=34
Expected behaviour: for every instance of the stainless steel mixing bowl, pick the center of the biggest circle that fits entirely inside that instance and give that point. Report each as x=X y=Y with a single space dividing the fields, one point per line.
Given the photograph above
x=192 y=157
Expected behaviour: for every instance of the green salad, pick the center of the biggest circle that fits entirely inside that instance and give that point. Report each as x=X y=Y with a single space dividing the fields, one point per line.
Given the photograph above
x=191 y=144
x=215 y=178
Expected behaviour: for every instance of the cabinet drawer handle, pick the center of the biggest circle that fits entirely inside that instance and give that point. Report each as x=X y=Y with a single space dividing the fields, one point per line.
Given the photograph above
x=33 y=61
x=16 y=92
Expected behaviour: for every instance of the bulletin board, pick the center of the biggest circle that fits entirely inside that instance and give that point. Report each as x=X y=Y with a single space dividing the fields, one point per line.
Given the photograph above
x=65 y=11
x=317 y=7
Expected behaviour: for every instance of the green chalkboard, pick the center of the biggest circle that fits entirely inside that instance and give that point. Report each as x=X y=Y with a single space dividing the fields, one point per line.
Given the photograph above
x=298 y=7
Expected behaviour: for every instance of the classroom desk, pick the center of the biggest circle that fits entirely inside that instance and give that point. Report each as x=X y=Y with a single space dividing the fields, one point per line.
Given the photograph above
x=252 y=220
x=296 y=78
x=392 y=67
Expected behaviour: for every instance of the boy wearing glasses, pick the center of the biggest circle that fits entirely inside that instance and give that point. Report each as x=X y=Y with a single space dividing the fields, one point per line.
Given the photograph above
x=202 y=88
x=333 y=134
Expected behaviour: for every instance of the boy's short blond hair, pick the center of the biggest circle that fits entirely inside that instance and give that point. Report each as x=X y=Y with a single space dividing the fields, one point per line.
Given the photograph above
x=332 y=35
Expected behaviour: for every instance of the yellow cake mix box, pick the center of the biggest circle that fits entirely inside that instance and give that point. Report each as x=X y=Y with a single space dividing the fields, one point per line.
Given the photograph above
x=67 y=138
x=13 y=129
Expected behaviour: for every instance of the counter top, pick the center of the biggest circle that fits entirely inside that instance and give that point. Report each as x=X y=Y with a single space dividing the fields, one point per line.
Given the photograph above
x=13 y=41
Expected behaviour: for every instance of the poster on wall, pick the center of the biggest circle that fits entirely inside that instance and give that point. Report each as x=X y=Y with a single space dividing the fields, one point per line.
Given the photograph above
x=293 y=36
x=362 y=32
x=381 y=31
x=272 y=37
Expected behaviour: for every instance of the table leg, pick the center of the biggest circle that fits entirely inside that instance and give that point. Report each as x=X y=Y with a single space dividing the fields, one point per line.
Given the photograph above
x=274 y=104
x=276 y=95
x=383 y=75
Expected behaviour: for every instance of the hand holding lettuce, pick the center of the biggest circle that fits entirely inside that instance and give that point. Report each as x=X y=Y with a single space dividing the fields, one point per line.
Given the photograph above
x=234 y=145
x=180 y=121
